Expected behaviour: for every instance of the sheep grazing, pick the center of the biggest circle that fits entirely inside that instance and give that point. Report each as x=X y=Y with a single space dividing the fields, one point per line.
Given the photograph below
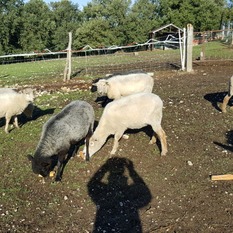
x=228 y=96
x=134 y=112
x=13 y=103
x=123 y=84
x=60 y=133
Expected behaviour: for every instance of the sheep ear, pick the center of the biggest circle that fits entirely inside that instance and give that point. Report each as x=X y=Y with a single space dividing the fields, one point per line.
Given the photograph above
x=30 y=158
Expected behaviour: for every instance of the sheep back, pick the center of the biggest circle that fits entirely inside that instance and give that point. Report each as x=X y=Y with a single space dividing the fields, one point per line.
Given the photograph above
x=134 y=112
x=68 y=127
x=14 y=103
x=123 y=84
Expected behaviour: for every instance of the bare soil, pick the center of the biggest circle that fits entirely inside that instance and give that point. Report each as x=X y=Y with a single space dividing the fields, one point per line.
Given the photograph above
x=137 y=190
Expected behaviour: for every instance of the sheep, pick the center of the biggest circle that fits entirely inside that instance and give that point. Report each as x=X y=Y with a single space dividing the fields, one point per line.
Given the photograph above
x=13 y=103
x=60 y=133
x=134 y=112
x=28 y=111
x=123 y=84
x=228 y=96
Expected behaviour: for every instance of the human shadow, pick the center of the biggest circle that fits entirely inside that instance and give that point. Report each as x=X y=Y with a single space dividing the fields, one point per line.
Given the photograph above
x=118 y=192
x=215 y=98
x=229 y=147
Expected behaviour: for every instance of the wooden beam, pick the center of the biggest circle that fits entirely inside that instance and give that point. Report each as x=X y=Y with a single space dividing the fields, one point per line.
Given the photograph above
x=222 y=177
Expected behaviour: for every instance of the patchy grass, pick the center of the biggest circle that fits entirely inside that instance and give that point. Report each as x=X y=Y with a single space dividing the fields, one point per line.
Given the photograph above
x=162 y=194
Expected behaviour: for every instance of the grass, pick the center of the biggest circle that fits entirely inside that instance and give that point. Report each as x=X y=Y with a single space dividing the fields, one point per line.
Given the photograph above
x=47 y=71
x=19 y=193
x=213 y=50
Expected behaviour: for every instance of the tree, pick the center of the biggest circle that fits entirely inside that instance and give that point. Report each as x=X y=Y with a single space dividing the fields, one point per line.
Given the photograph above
x=36 y=26
x=66 y=18
x=142 y=19
x=204 y=15
x=95 y=33
x=105 y=23
x=10 y=25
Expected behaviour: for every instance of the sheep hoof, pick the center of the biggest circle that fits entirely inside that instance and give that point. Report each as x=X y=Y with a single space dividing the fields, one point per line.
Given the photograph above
x=152 y=141
x=163 y=153
x=113 y=152
x=52 y=174
x=81 y=155
x=125 y=136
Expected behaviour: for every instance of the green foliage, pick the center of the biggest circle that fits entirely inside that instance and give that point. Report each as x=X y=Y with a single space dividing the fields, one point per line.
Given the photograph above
x=204 y=15
x=36 y=25
x=95 y=32
x=142 y=19
x=10 y=23
x=66 y=18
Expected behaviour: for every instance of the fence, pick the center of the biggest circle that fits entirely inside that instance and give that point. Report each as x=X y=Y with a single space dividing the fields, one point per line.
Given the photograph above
x=213 y=45
x=115 y=59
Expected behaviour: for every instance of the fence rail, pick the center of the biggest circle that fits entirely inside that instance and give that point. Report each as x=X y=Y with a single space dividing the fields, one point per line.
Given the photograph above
x=211 y=45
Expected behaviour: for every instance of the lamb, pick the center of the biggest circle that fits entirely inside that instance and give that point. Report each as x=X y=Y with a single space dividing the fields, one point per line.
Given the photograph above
x=134 y=112
x=60 y=133
x=13 y=103
x=124 y=84
x=228 y=96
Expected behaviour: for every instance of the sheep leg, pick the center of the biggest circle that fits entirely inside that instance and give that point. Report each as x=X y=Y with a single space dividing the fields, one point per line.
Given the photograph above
x=7 y=124
x=225 y=102
x=16 y=122
x=162 y=137
x=90 y=132
x=62 y=161
x=59 y=170
x=153 y=140
x=117 y=137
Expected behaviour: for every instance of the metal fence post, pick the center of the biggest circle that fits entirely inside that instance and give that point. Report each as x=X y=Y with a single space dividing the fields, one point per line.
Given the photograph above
x=189 y=50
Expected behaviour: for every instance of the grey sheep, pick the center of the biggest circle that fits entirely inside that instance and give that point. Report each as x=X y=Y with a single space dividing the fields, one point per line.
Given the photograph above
x=73 y=124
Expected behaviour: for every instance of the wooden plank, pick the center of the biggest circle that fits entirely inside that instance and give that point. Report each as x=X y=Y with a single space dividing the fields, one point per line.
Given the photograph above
x=222 y=177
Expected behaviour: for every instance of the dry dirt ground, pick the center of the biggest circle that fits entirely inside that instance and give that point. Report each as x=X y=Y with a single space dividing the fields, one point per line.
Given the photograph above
x=137 y=190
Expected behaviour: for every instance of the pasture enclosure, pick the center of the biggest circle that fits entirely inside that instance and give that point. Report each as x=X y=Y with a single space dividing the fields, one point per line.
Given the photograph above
x=144 y=192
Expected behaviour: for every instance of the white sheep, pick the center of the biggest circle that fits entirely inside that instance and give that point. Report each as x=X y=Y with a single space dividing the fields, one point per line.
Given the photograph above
x=228 y=96
x=134 y=112
x=118 y=85
x=74 y=123
x=13 y=103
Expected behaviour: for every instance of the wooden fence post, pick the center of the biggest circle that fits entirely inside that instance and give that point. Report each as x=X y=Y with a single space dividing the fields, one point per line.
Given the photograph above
x=67 y=71
x=189 y=50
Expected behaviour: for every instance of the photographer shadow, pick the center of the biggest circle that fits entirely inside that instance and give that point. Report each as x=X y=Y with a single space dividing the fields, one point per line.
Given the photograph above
x=118 y=192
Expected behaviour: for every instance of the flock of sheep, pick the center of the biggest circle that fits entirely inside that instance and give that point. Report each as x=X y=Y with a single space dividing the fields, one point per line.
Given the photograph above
x=134 y=106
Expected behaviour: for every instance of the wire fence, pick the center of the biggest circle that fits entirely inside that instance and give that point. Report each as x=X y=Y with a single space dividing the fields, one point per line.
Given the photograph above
x=150 y=56
x=148 y=61
x=213 y=45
